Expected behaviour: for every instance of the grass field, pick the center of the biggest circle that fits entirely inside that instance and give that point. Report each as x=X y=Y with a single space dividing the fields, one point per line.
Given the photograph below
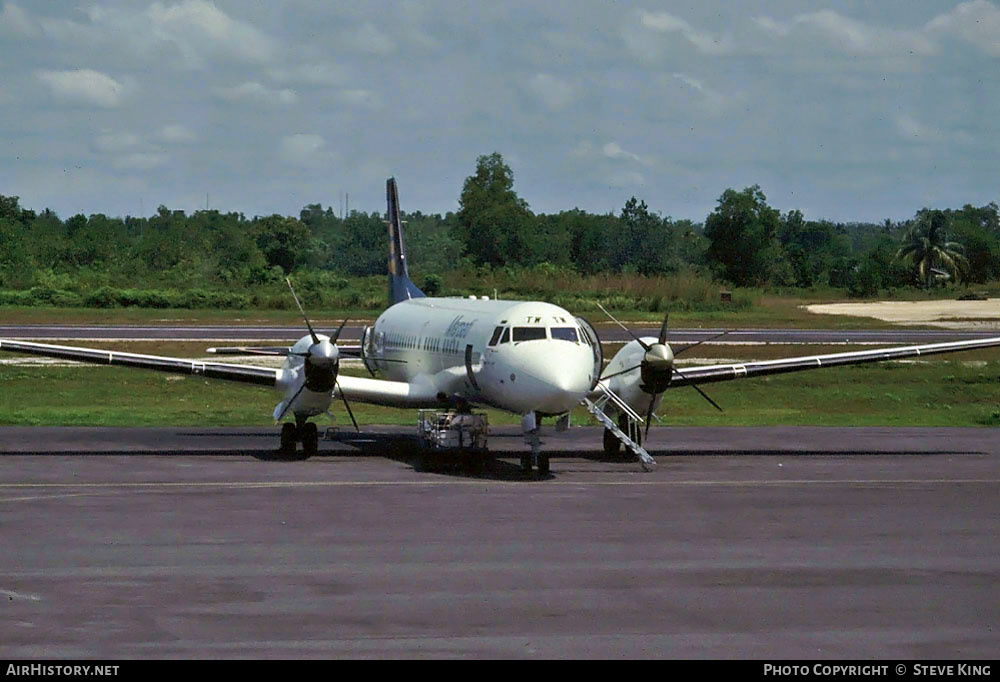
x=955 y=390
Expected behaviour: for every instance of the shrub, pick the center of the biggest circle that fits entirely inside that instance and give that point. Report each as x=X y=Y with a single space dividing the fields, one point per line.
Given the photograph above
x=15 y=298
x=103 y=297
x=432 y=285
x=43 y=295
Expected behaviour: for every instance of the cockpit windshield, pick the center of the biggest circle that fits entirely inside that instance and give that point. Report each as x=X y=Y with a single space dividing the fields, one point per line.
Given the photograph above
x=565 y=334
x=528 y=334
x=496 y=336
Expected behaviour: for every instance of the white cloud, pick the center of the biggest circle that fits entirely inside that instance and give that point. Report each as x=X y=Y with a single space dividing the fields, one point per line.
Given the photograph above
x=368 y=39
x=361 y=98
x=16 y=20
x=302 y=149
x=109 y=141
x=664 y=22
x=554 y=93
x=318 y=73
x=196 y=25
x=613 y=151
x=609 y=150
x=176 y=133
x=84 y=86
x=125 y=150
x=847 y=35
x=977 y=22
x=624 y=178
x=713 y=101
x=196 y=29
x=908 y=127
x=253 y=91
x=139 y=160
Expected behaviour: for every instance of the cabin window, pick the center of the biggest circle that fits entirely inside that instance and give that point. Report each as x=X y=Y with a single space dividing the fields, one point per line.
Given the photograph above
x=528 y=333
x=564 y=334
x=496 y=336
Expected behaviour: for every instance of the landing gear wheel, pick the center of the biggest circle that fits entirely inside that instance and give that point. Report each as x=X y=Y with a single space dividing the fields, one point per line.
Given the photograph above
x=612 y=446
x=309 y=435
x=526 y=463
x=289 y=435
x=473 y=464
x=543 y=464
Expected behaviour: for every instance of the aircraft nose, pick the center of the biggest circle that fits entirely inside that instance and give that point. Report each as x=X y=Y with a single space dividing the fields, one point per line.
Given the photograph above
x=562 y=378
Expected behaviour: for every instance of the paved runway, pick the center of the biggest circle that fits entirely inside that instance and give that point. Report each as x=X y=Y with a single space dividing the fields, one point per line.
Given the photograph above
x=762 y=543
x=351 y=334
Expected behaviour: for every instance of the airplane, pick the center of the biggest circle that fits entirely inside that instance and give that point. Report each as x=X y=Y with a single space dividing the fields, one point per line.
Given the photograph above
x=529 y=358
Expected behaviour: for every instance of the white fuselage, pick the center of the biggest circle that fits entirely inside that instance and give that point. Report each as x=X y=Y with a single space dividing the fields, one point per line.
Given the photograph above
x=525 y=356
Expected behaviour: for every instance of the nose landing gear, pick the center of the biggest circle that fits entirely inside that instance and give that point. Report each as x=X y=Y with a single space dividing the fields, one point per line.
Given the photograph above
x=531 y=428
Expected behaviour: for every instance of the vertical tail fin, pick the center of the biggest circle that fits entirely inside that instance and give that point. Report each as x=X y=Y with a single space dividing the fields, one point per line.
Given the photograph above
x=400 y=286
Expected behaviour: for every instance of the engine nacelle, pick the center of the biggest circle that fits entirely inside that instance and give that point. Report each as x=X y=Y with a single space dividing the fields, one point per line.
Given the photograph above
x=628 y=386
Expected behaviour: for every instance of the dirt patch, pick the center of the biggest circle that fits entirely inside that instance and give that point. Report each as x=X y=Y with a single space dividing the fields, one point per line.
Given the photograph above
x=948 y=314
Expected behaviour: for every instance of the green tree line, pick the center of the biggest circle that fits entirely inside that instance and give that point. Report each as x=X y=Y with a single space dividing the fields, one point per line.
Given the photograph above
x=208 y=258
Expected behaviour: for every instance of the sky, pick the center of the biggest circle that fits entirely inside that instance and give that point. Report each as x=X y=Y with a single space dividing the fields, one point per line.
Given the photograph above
x=848 y=111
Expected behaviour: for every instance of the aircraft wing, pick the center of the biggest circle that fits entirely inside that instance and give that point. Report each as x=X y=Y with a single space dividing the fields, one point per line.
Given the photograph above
x=714 y=373
x=250 y=350
x=345 y=351
x=246 y=374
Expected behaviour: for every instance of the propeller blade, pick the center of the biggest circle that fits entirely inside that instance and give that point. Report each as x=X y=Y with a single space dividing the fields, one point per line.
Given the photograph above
x=663 y=329
x=698 y=343
x=348 y=406
x=642 y=343
x=289 y=403
x=302 y=310
x=649 y=415
x=624 y=371
x=703 y=394
x=336 y=334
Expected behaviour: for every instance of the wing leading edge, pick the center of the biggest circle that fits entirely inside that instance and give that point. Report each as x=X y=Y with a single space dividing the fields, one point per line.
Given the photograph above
x=261 y=376
x=742 y=370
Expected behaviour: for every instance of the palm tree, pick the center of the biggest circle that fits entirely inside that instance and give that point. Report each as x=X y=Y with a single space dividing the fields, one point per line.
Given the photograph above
x=925 y=245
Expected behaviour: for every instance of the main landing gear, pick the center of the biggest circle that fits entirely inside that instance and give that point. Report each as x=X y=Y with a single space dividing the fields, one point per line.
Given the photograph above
x=613 y=445
x=302 y=431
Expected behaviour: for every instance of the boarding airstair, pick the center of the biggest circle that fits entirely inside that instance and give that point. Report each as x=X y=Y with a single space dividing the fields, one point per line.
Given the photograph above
x=596 y=408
